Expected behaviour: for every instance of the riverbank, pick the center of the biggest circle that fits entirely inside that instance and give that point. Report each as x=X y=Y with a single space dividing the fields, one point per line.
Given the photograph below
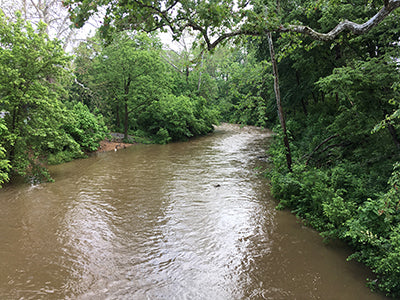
x=107 y=145
x=114 y=143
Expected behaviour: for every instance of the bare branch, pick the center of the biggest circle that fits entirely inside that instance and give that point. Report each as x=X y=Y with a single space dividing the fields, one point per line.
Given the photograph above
x=353 y=27
x=170 y=63
x=83 y=86
x=172 y=5
x=319 y=146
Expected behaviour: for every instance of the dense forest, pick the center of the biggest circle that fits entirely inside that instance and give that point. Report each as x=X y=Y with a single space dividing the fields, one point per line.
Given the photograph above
x=328 y=87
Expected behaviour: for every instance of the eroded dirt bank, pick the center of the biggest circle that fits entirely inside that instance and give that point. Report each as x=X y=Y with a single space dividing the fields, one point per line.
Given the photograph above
x=114 y=143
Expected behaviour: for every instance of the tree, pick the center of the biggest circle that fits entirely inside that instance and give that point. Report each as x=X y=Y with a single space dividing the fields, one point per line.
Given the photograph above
x=244 y=85
x=183 y=60
x=31 y=67
x=177 y=118
x=215 y=21
x=50 y=12
x=129 y=72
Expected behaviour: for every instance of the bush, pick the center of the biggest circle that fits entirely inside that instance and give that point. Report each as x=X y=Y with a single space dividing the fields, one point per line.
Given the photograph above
x=86 y=128
x=162 y=136
x=375 y=232
x=177 y=118
x=334 y=202
x=4 y=163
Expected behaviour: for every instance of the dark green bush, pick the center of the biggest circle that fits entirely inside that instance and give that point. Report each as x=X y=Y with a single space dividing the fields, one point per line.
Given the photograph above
x=177 y=118
x=335 y=202
x=86 y=128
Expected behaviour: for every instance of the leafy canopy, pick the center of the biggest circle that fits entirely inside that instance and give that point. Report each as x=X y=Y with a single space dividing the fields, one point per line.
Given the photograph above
x=218 y=20
x=33 y=119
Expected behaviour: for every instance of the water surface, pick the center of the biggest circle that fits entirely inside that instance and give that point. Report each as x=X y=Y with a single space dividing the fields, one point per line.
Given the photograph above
x=180 y=221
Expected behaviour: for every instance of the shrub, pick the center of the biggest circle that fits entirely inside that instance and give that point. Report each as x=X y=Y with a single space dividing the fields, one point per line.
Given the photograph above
x=86 y=128
x=177 y=118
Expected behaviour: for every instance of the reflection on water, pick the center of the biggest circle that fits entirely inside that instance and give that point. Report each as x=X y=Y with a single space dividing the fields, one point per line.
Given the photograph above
x=180 y=221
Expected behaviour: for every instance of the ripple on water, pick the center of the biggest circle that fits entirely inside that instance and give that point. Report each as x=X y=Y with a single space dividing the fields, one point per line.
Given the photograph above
x=179 y=221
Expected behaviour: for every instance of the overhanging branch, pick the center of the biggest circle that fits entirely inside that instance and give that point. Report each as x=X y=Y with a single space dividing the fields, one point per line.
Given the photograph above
x=345 y=25
x=353 y=27
x=167 y=17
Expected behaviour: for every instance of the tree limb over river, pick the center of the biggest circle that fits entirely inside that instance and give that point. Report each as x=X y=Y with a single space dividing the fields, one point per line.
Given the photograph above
x=350 y=26
x=215 y=21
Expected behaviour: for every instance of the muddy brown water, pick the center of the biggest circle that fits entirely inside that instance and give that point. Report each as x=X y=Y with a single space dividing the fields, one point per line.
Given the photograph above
x=180 y=221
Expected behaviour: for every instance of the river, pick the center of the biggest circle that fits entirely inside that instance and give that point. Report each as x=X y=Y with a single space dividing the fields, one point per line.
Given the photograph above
x=188 y=220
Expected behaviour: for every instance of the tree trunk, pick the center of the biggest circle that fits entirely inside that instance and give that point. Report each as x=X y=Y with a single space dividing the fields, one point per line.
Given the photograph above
x=117 y=117
x=201 y=68
x=187 y=74
x=303 y=102
x=394 y=135
x=127 y=85
x=278 y=103
x=392 y=131
x=126 y=120
x=304 y=105
x=10 y=150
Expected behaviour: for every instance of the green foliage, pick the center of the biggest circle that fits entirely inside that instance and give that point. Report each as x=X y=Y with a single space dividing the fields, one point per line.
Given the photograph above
x=175 y=118
x=83 y=132
x=245 y=94
x=162 y=136
x=4 y=163
x=36 y=128
x=142 y=95
x=335 y=95
x=129 y=74
x=31 y=66
x=317 y=196
x=375 y=233
x=340 y=168
x=86 y=128
x=333 y=192
x=149 y=15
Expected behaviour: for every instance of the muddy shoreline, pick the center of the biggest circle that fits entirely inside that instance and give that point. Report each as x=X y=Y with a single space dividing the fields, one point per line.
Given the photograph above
x=114 y=143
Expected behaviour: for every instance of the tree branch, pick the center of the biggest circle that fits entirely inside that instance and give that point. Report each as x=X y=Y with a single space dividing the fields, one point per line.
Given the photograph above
x=178 y=22
x=170 y=63
x=146 y=102
x=353 y=27
x=83 y=86
x=319 y=146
